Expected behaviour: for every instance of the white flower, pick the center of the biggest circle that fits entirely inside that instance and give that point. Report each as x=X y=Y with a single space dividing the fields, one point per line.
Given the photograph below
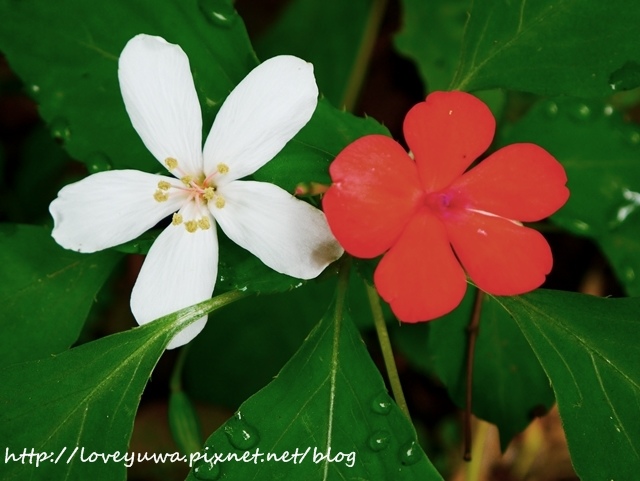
x=255 y=122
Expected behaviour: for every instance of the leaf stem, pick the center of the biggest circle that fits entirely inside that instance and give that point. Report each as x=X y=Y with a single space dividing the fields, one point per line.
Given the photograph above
x=356 y=78
x=472 y=332
x=387 y=351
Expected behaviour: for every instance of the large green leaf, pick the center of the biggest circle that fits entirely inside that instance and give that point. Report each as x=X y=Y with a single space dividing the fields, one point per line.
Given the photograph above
x=46 y=292
x=510 y=387
x=329 y=396
x=67 y=53
x=590 y=349
x=601 y=154
x=334 y=35
x=85 y=398
x=261 y=334
x=431 y=35
x=572 y=47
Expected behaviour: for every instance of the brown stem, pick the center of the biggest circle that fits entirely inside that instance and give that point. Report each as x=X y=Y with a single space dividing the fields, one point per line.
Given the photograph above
x=472 y=333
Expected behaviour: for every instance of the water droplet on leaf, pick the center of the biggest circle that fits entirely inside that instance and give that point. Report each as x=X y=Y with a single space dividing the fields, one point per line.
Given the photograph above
x=626 y=77
x=633 y=137
x=381 y=404
x=60 y=129
x=379 y=440
x=206 y=471
x=550 y=109
x=410 y=453
x=98 y=162
x=580 y=112
x=241 y=435
x=218 y=12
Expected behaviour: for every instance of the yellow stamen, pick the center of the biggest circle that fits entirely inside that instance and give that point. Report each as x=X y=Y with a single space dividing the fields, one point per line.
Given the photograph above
x=164 y=185
x=209 y=193
x=171 y=163
x=220 y=202
x=191 y=226
x=160 y=196
x=223 y=168
x=177 y=219
x=204 y=223
x=186 y=180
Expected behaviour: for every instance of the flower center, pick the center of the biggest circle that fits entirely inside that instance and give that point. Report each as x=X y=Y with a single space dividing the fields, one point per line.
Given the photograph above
x=199 y=191
x=438 y=202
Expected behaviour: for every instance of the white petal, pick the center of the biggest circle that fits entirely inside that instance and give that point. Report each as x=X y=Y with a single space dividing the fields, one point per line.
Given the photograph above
x=260 y=116
x=109 y=208
x=287 y=234
x=158 y=92
x=180 y=270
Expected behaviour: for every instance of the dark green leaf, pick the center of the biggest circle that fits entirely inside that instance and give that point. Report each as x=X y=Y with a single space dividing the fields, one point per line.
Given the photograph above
x=328 y=396
x=572 y=47
x=184 y=423
x=260 y=335
x=86 y=398
x=589 y=348
x=601 y=154
x=332 y=35
x=509 y=386
x=431 y=35
x=46 y=292
x=80 y=97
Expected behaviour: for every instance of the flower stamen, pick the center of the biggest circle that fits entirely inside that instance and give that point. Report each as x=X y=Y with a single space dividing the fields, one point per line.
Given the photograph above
x=160 y=196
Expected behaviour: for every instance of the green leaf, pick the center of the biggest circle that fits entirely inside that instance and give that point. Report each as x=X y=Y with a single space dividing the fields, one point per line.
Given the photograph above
x=328 y=396
x=431 y=35
x=47 y=292
x=589 y=348
x=270 y=328
x=341 y=34
x=574 y=47
x=601 y=154
x=510 y=387
x=80 y=97
x=85 y=397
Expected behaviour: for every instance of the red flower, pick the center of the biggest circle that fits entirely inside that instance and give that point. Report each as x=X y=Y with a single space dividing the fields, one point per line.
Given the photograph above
x=430 y=216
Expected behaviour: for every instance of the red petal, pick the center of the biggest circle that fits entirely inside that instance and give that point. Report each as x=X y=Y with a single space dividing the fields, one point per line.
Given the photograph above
x=374 y=193
x=521 y=181
x=446 y=133
x=420 y=276
x=501 y=257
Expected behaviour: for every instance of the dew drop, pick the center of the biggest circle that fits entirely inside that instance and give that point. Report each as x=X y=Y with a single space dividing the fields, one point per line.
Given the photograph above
x=206 y=471
x=60 y=129
x=381 y=404
x=410 y=453
x=34 y=89
x=633 y=137
x=218 y=12
x=379 y=440
x=580 y=112
x=241 y=435
x=550 y=109
x=98 y=162
x=628 y=272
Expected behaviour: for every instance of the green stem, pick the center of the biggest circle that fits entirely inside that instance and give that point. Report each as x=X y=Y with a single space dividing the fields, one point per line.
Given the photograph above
x=359 y=70
x=387 y=351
